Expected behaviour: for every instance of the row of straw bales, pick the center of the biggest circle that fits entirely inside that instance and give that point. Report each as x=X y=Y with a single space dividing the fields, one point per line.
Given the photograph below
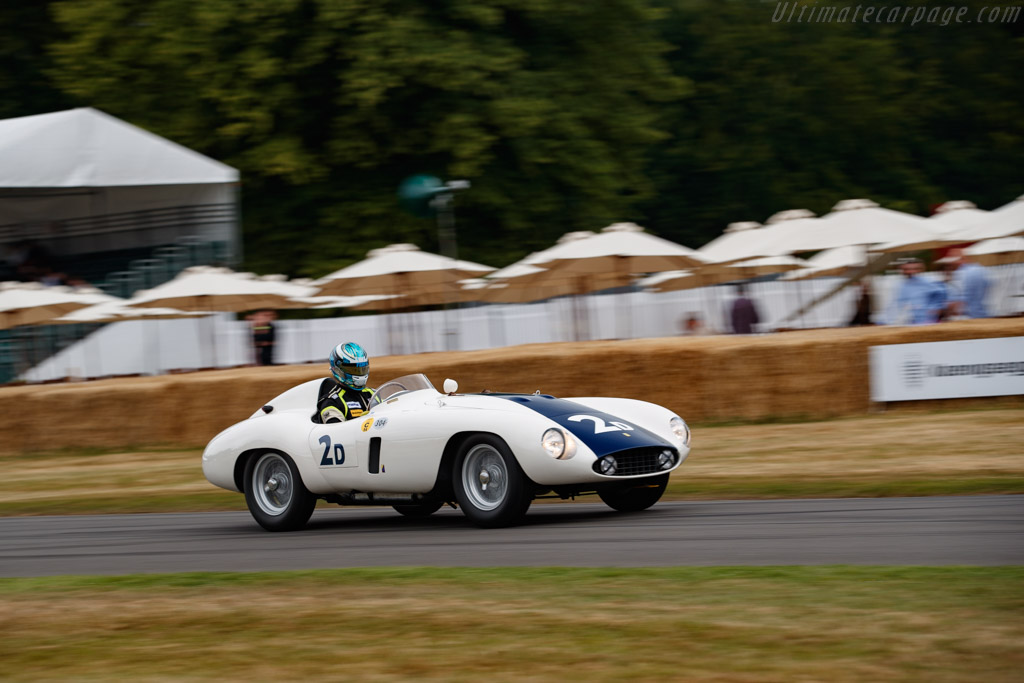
x=795 y=375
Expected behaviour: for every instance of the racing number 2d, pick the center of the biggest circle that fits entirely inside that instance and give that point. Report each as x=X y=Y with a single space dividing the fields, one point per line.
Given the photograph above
x=339 y=453
x=600 y=426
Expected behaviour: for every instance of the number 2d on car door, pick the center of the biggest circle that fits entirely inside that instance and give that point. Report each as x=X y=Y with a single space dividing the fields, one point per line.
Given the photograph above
x=334 y=448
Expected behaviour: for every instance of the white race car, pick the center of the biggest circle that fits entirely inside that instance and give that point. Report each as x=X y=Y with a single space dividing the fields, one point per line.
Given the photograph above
x=417 y=449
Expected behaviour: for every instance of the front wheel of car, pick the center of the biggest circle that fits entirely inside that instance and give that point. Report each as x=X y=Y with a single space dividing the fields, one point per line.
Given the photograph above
x=275 y=494
x=490 y=487
x=635 y=496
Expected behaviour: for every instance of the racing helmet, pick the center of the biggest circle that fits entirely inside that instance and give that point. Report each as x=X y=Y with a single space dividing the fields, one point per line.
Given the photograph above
x=350 y=365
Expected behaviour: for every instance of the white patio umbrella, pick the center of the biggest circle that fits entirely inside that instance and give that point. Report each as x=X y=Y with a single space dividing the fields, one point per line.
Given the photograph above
x=997 y=252
x=757 y=243
x=539 y=285
x=734 y=242
x=1006 y=221
x=398 y=269
x=671 y=281
x=411 y=276
x=956 y=217
x=613 y=257
x=716 y=274
x=357 y=303
x=221 y=290
x=34 y=304
x=750 y=268
x=860 y=222
x=525 y=280
x=831 y=262
x=118 y=311
x=619 y=248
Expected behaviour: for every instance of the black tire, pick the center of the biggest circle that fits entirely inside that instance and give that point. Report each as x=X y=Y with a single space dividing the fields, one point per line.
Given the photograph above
x=636 y=495
x=275 y=494
x=423 y=508
x=490 y=487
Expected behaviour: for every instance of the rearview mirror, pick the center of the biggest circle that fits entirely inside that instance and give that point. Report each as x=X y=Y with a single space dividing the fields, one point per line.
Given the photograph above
x=450 y=386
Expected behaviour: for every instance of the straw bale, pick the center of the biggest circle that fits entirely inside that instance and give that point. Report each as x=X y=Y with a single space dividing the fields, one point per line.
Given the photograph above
x=793 y=375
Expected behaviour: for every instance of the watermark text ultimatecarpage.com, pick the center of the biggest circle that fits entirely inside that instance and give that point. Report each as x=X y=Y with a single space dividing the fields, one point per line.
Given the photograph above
x=814 y=13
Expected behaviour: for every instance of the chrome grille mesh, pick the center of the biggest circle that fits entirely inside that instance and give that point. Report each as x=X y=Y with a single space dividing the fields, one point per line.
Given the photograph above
x=635 y=462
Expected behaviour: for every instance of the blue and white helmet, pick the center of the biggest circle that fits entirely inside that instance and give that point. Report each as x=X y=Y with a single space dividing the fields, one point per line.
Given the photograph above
x=350 y=365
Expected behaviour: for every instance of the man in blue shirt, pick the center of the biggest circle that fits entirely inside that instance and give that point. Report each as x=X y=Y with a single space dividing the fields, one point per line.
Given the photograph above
x=971 y=283
x=918 y=301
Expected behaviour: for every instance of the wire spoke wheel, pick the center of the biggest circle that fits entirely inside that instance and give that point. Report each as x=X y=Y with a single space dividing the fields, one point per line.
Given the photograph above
x=272 y=484
x=490 y=486
x=485 y=477
x=275 y=494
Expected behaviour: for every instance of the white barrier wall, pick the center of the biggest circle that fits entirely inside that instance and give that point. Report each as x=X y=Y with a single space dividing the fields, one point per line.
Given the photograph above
x=152 y=347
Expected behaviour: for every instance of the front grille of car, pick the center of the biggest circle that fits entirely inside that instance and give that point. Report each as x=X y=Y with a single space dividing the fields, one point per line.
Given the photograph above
x=637 y=461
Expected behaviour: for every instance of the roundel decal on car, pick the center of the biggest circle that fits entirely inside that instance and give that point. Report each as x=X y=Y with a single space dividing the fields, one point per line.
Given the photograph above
x=367 y=423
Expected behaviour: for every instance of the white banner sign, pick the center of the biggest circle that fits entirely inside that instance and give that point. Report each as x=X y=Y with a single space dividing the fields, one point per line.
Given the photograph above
x=955 y=369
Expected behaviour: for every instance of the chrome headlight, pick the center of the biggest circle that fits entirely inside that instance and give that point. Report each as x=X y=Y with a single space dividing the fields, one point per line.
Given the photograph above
x=558 y=445
x=679 y=428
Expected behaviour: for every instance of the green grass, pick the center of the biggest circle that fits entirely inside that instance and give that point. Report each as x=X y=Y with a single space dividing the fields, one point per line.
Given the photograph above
x=212 y=501
x=918 y=454
x=721 y=624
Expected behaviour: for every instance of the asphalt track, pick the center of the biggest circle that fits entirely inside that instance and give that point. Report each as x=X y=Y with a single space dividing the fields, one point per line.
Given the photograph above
x=969 y=530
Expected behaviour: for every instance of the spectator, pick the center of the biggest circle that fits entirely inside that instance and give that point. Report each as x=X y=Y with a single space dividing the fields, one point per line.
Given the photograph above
x=744 y=314
x=918 y=301
x=950 y=290
x=263 y=336
x=693 y=326
x=53 y=279
x=971 y=284
x=862 y=314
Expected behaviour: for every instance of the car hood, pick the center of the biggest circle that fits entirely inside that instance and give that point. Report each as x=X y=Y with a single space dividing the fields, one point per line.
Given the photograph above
x=602 y=432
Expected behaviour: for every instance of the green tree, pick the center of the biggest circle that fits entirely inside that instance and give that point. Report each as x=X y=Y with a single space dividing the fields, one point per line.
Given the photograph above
x=799 y=115
x=26 y=29
x=326 y=105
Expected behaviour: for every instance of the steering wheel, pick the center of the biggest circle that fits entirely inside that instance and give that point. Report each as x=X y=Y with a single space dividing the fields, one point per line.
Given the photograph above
x=376 y=393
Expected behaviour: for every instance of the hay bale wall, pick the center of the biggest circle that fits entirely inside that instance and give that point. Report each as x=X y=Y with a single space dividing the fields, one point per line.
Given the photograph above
x=811 y=374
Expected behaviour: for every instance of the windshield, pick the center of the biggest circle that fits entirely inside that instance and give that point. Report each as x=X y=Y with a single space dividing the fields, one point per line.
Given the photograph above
x=400 y=385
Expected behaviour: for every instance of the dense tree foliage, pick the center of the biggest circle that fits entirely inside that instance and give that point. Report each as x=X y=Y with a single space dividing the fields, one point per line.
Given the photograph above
x=325 y=106
x=681 y=115
x=799 y=115
x=26 y=31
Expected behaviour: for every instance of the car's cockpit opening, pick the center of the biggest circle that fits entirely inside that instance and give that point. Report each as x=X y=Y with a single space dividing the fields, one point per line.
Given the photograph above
x=400 y=385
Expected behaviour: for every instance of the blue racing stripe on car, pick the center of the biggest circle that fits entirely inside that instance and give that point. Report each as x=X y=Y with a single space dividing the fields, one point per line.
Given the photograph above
x=601 y=432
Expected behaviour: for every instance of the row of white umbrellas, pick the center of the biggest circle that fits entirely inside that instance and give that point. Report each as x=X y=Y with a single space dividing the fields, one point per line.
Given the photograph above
x=402 y=276
x=845 y=237
x=23 y=304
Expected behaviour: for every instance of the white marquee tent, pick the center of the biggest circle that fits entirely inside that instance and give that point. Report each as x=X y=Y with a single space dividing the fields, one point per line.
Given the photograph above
x=83 y=181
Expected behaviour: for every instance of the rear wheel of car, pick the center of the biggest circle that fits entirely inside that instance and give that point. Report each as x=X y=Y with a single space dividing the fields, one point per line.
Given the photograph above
x=635 y=496
x=490 y=487
x=275 y=494
x=423 y=508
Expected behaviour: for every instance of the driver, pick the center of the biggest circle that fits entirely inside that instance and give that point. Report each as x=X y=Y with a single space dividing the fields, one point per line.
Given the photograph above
x=345 y=395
